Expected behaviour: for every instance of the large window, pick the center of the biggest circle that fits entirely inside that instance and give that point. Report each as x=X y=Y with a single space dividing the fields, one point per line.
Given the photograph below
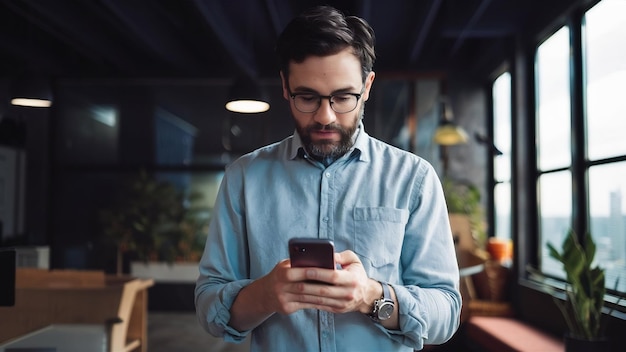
x=600 y=163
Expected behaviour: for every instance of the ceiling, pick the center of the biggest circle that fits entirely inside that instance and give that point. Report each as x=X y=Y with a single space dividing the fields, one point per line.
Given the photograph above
x=225 y=38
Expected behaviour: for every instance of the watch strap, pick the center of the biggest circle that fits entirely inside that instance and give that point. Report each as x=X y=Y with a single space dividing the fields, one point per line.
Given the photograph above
x=386 y=293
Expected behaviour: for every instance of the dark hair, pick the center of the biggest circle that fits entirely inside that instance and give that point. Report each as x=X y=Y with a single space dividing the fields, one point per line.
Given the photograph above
x=323 y=31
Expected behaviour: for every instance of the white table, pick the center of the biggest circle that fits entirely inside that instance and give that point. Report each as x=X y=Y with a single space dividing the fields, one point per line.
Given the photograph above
x=61 y=338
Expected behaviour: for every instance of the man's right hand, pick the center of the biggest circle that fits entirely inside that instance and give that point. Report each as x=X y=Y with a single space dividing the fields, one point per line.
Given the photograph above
x=283 y=290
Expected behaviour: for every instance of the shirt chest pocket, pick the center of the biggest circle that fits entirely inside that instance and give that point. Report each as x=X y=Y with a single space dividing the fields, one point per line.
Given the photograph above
x=378 y=234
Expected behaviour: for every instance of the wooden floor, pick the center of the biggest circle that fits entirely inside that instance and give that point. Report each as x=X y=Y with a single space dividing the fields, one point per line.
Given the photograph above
x=180 y=332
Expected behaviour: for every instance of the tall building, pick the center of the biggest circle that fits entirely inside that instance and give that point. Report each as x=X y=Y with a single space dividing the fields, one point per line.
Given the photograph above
x=617 y=229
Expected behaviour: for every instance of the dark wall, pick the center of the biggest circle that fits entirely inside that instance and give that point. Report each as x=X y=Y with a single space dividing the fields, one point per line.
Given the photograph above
x=468 y=162
x=32 y=137
x=107 y=131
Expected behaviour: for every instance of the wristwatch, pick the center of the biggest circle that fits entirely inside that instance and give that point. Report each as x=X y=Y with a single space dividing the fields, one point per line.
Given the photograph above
x=384 y=306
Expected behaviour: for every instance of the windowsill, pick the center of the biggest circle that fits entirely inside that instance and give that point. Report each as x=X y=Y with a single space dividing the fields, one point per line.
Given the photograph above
x=614 y=306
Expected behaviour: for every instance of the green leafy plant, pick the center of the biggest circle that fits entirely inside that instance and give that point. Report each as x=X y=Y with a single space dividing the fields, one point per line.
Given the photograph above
x=150 y=219
x=464 y=198
x=582 y=308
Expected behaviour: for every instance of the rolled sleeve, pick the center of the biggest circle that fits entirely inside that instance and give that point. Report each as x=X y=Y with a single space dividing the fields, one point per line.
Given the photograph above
x=213 y=308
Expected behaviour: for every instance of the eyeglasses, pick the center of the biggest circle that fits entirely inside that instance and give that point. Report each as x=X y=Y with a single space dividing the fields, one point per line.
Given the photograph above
x=341 y=103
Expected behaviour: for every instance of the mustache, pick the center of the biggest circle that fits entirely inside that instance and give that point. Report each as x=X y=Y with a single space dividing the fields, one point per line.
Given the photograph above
x=320 y=127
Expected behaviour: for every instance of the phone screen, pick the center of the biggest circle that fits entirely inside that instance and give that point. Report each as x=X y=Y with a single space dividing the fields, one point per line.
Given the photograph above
x=312 y=252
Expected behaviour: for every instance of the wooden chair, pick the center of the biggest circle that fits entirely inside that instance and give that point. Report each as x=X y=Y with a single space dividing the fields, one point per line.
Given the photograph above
x=46 y=297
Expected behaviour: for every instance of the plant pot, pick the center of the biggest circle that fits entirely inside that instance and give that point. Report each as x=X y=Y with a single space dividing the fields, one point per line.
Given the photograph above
x=576 y=344
x=178 y=272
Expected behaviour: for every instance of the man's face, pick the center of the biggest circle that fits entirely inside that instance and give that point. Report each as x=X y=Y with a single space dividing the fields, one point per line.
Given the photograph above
x=326 y=133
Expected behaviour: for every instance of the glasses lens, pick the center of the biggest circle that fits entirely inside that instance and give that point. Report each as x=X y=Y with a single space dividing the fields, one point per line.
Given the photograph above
x=342 y=103
x=307 y=102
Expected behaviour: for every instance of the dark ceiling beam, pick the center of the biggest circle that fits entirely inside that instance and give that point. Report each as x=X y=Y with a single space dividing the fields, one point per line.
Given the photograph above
x=478 y=33
x=365 y=10
x=149 y=32
x=33 y=58
x=240 y=49
x=274 y=15
x=58 y=22
x=468 y=27
x=48 y=21
x=425 y=31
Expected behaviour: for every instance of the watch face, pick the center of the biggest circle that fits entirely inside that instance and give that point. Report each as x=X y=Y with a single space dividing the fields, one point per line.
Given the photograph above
x=385 y=311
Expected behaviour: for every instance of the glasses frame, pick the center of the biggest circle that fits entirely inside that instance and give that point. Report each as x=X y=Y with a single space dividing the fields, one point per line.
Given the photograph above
x=330 y=100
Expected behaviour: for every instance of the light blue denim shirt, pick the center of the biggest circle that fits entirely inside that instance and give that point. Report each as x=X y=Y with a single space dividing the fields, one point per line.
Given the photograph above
x=381 y=202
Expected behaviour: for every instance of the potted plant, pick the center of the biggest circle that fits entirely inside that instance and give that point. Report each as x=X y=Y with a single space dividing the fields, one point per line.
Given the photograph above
x=463 y=201
x=150 y=219
x=582 y=308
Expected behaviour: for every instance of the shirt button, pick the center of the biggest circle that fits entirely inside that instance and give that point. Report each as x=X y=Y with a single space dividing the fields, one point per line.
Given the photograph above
x=328 y=174
x=325 y=219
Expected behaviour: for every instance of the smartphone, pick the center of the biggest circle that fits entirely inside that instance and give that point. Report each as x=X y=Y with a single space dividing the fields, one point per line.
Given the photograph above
x=312 y=252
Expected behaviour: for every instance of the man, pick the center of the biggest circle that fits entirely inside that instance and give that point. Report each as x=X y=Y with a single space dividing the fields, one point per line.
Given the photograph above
x=396 y=287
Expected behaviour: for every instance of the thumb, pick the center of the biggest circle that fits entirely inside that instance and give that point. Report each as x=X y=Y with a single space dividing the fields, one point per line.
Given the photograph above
x=346 y=258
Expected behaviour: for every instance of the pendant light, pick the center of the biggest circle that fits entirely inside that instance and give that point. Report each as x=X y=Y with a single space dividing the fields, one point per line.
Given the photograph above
x=247 y=96
x=31 y=92
x=448 y=132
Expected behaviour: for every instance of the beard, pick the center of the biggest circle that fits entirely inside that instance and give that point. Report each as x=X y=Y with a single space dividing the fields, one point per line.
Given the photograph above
x=326 y=148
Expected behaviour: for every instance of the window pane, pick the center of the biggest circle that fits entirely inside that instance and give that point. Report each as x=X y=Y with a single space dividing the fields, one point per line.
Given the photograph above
x=553 y=102
x=607 y=207
x=502 y=126
x=502 y=202
x=502 y=163
x=555 y=200
x=606 y=76
x=174 y=140
x=88 y=134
